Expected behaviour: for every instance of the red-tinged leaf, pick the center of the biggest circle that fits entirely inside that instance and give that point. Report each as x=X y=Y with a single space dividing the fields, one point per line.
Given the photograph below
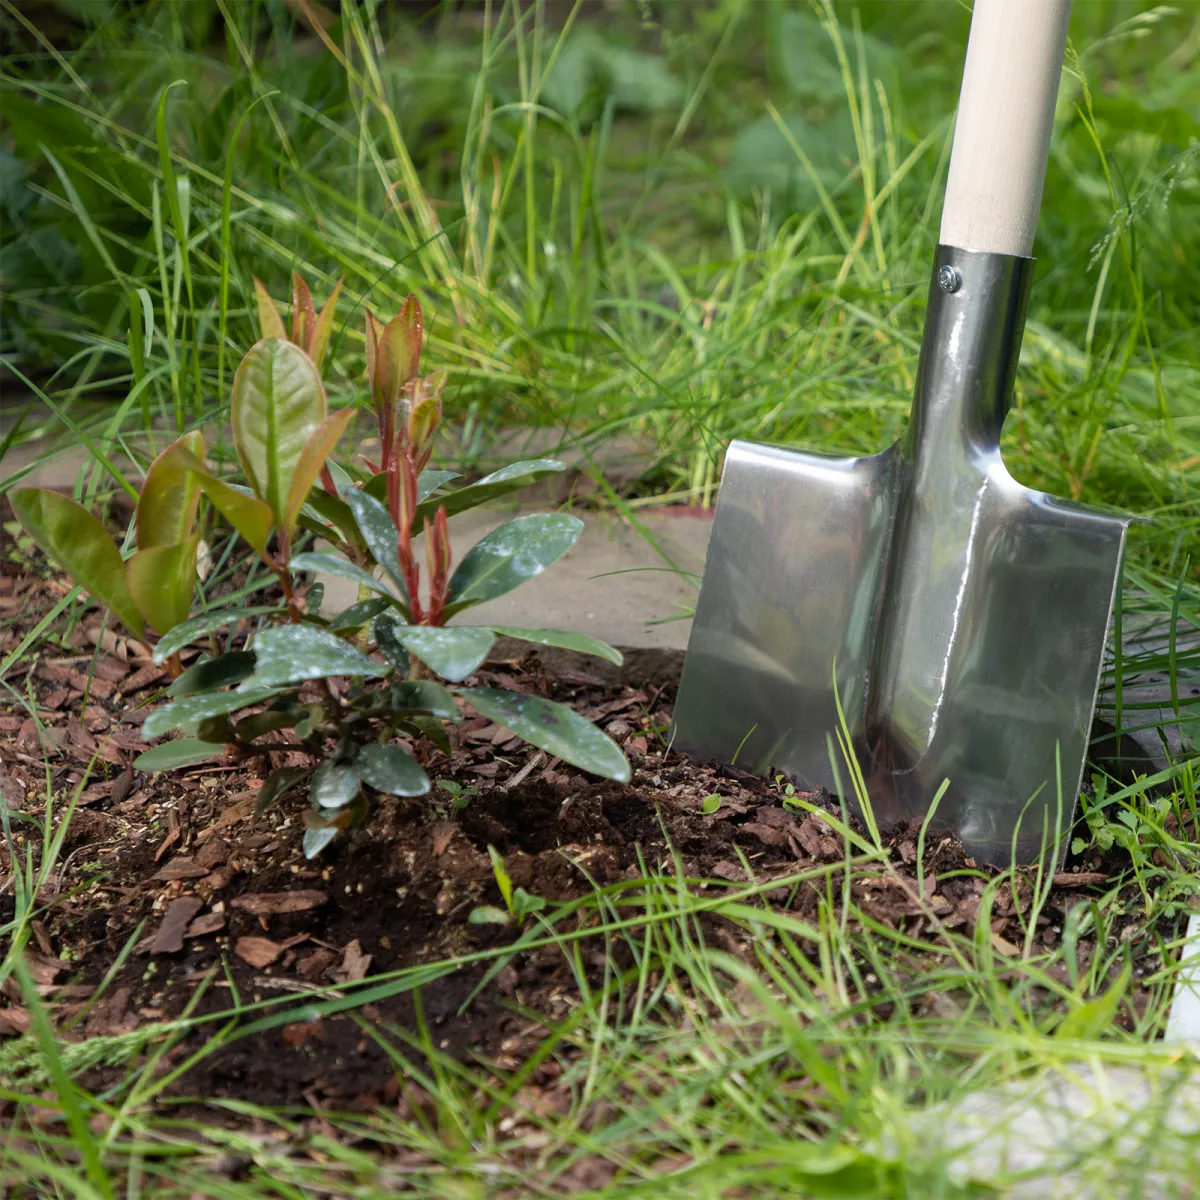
x=312 y=458
x=398 y=353
x=414 y=318
x=161 y=581
x=318 y=343
x=249 y=516
x=374 y=329
x=278 y=402
x=71 y=536
x=166 y=509
x=270 y=323
x=304 y=316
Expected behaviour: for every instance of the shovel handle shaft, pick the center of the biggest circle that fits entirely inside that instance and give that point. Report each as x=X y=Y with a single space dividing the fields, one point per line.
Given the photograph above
x=1005 y=118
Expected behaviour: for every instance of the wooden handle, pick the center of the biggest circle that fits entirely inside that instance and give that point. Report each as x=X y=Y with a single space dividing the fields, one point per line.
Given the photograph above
x=1005 y=117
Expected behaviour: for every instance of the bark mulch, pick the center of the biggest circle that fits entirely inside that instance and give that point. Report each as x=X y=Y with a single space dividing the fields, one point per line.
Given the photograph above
x=220 y=898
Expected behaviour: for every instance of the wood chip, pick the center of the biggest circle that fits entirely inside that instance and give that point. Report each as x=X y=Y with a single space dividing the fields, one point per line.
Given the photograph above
x=300 y=1032
x=1004 y=946
x=174 y=832
x=214 y=853
x=313 y=965
x=443 y=834
x=121 y=786
x=266 y=903
x=181 y=868
x=14 y=1021
x=111 y=670
x=142 y=678
x=354 y=962
x=1074 y=879
x=44 y=968
x=176 y=919
x=729 y=870
x=212 y=922
x=257 y=951
x=768 y=814
x=240 y=808
x=767 y=834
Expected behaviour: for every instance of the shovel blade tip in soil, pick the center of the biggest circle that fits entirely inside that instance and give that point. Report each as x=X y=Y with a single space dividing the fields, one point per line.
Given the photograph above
x=966 y=615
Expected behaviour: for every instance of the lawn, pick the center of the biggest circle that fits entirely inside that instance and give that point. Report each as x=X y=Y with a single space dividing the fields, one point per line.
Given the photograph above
x=659 y=225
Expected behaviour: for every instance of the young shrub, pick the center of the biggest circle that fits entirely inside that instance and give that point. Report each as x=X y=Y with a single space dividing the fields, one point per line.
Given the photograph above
x=406 y=665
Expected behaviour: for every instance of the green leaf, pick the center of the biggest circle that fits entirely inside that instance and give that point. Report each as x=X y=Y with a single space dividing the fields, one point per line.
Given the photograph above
x=213 y=673
x=499 y=483
x=292 y=653
x=386 y=630
x=250 y=516
x=191 y=710
x=525 y=902
x=392 y=770
x=323 y=329
x=315 y=840
x=809 y=59
x=270 y=323
x=433 y=729
x=423 y=695
x=273 y=718
x=488 y=914
x=278 y=403
x=189 y=631
x=551 y=727
x=343 y=568
x=762 y=159
x=180 y=753
x=71 y=536
x=334 y=785
x=1091 y=1018
x=453 y=653
x=312 y=458
x=375 y=523
x=581 y=642
x=710 y=804
x=397 y=354
x=503 y=881
x=508 y=556
x=357 y=615
x=166 y=509
x=280 y=781
x=430 y=480
x=332 y=510
x=161 y=581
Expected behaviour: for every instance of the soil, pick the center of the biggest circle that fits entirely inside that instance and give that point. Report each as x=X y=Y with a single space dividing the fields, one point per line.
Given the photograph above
x=216 y=901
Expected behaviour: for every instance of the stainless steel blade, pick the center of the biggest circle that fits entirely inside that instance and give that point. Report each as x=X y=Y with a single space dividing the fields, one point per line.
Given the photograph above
x=966 y=614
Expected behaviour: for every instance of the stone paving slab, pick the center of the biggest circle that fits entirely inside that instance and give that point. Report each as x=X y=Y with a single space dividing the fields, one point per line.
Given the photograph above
x=615 y=585
x=611 y=584
x=1066 y=1128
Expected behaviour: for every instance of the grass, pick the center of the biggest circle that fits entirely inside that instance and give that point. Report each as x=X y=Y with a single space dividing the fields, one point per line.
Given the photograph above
x=800 y=1058
x=595 y=240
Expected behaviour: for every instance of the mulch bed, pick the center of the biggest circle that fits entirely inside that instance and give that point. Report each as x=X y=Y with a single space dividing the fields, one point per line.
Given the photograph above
x=227 y=901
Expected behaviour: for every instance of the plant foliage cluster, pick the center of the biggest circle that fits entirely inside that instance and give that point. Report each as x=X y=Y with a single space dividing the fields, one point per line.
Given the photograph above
x=394 y=644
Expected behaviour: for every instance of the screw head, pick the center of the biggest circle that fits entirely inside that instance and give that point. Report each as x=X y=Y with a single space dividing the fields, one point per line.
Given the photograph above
x=949 y=280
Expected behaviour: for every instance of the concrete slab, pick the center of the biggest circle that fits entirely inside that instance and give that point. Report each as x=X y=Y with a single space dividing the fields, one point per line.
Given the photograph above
x=611 y=584
x=1183 y=1023
x=615 y=585
x=1068 y=1132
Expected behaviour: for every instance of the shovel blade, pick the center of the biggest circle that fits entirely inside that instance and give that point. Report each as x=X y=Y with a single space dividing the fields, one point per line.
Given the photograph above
x=966 y=650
